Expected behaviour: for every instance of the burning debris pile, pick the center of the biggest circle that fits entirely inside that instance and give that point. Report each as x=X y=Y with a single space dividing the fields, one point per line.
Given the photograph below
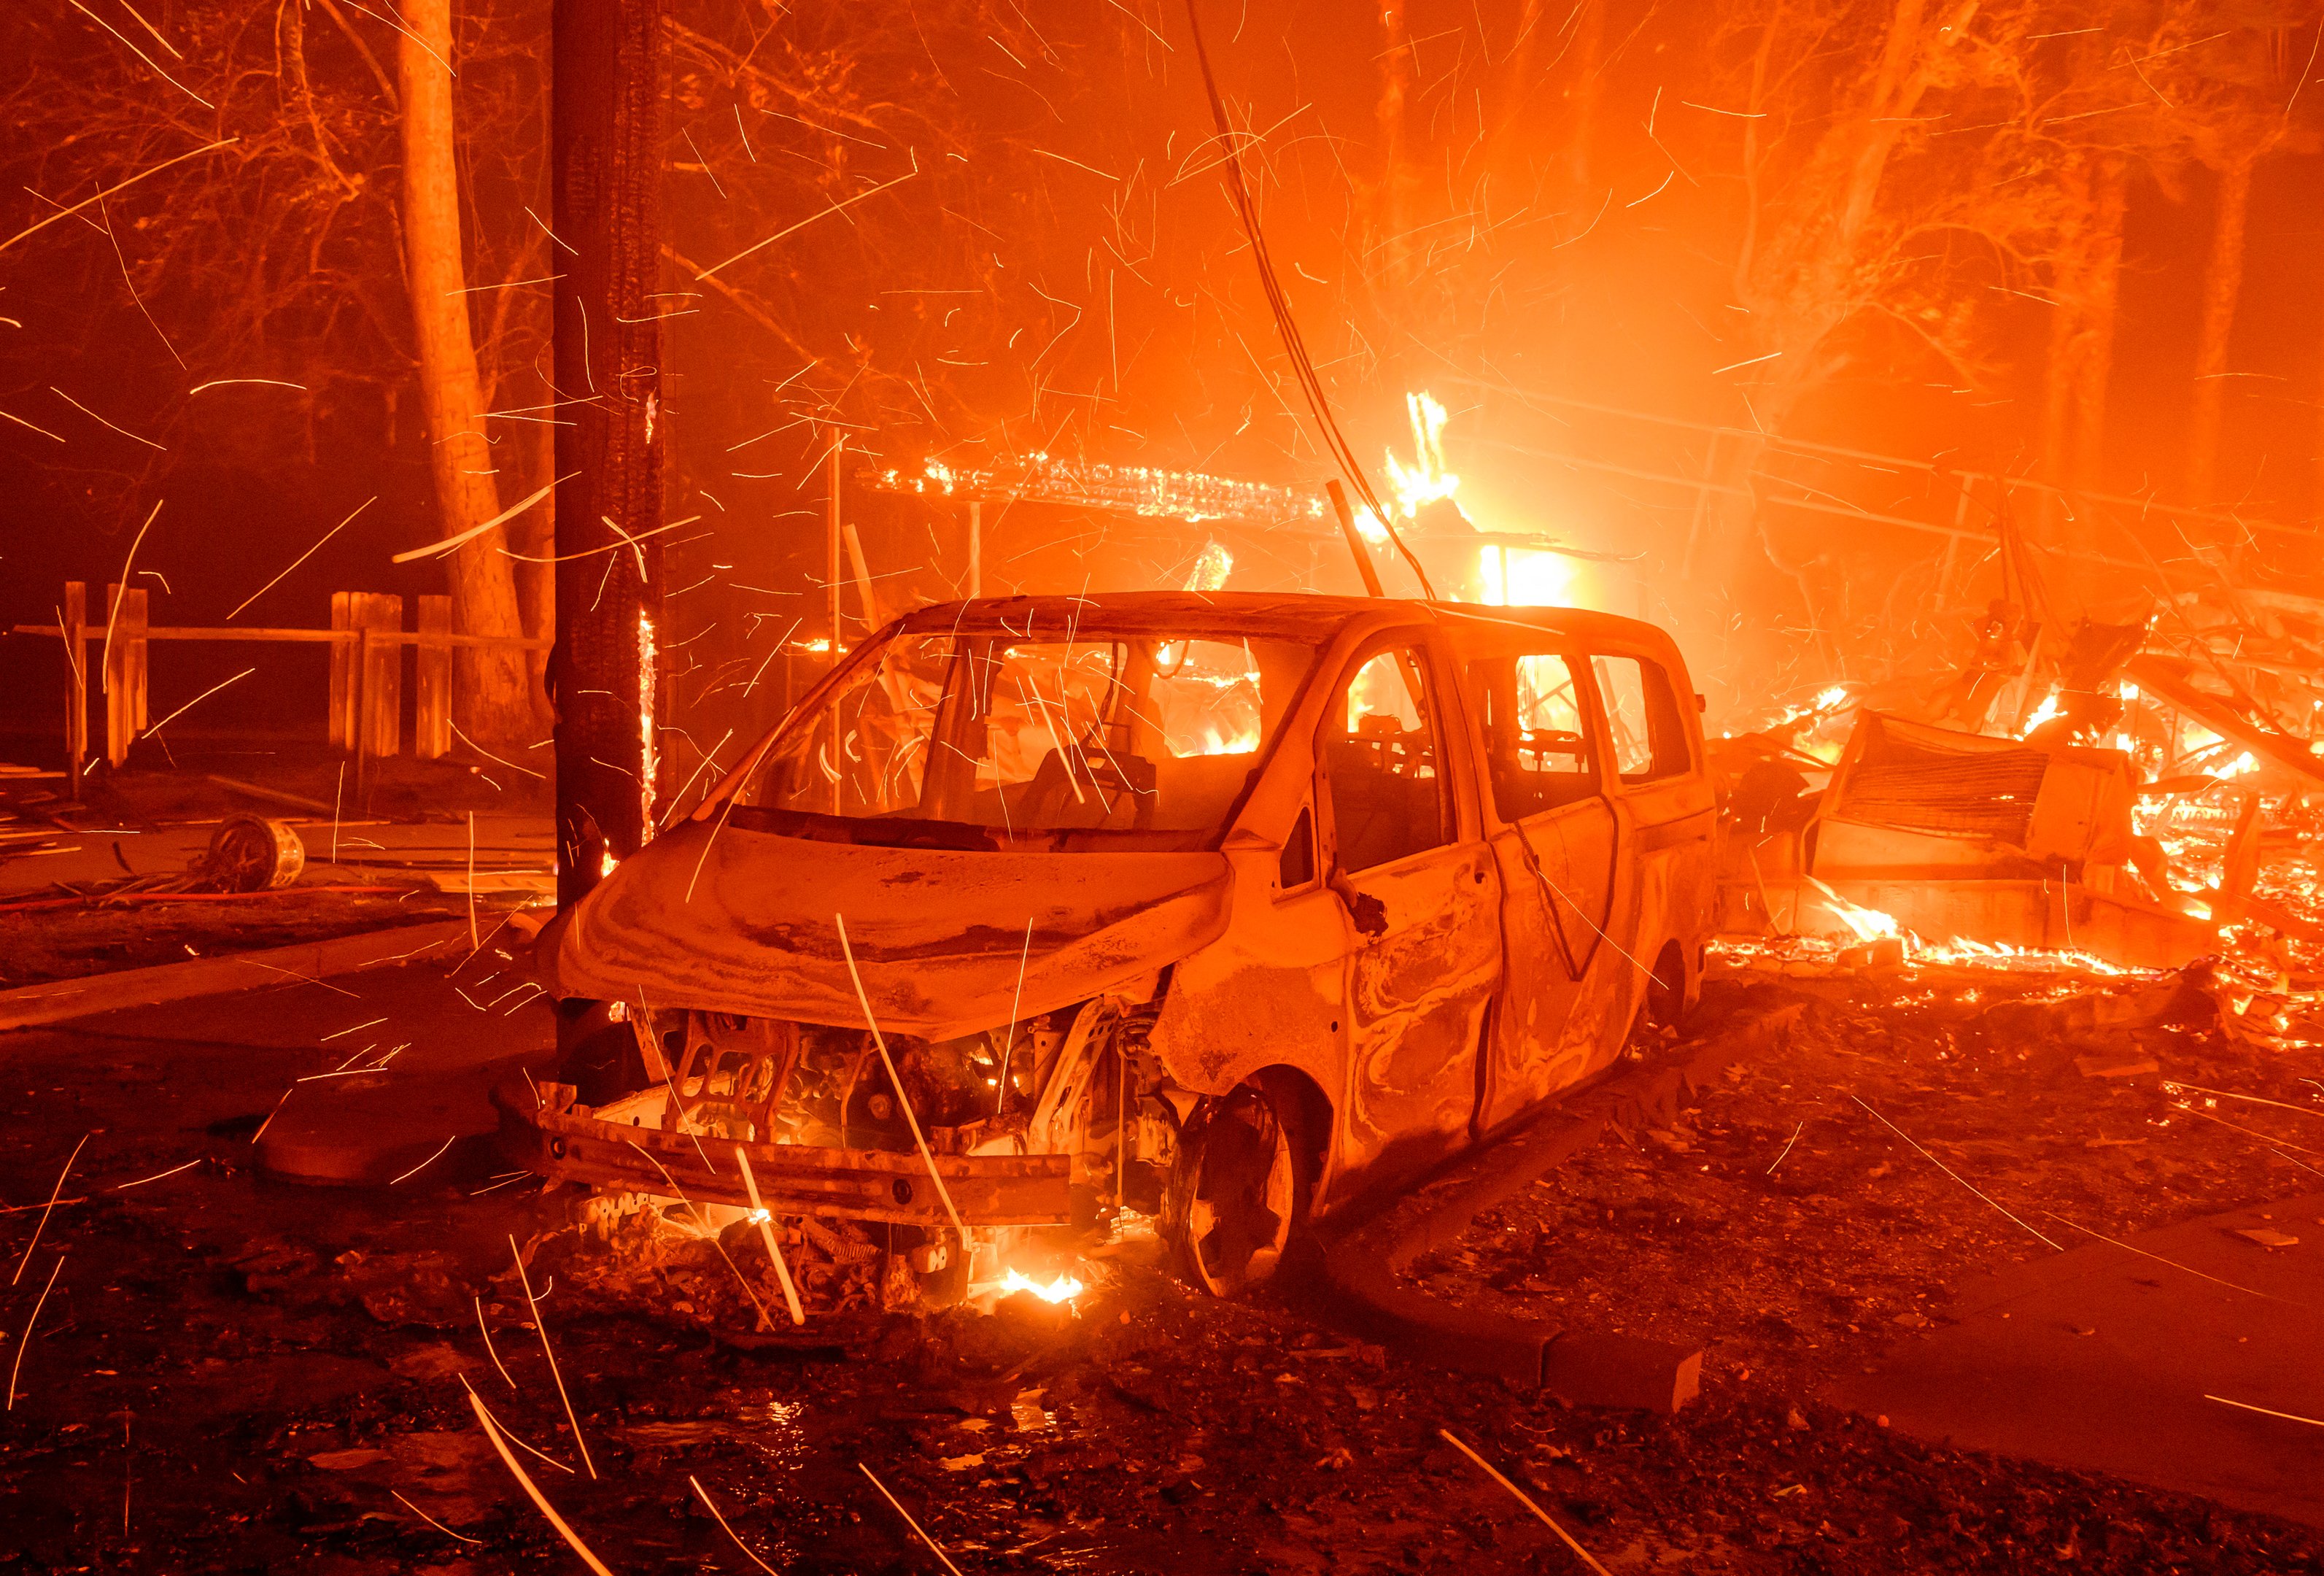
x=2118 y=797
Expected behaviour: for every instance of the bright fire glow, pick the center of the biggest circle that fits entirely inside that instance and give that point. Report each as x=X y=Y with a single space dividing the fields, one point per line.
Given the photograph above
x=1063 y=1289
x=2042 y=714
x=2245 y=761
x=1831 y=698
x=1522 y=577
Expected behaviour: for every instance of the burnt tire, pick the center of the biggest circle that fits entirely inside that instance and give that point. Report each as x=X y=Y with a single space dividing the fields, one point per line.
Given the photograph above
x=1241 y=1187
x=597 y=1053
x=1664 y=1005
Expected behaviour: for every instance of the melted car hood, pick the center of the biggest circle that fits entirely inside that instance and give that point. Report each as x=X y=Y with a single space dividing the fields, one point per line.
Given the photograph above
x=725 y=919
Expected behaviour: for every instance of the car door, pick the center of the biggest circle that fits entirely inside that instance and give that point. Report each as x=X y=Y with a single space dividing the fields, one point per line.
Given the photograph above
x=1668 y=808
x=1404 y=851
x=1555 y=839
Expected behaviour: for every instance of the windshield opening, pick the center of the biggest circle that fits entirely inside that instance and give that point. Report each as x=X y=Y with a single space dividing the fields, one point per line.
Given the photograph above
x=1141 y=739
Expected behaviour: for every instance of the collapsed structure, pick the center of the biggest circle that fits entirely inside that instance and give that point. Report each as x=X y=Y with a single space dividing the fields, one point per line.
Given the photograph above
x=2096 y=789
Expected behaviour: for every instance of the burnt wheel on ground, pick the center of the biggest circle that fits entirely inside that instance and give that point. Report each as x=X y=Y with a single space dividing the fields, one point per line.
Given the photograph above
x=1240 y=1189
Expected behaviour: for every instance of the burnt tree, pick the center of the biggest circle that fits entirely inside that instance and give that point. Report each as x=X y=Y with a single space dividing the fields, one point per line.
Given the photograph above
x=494 y=695
x=605 y=129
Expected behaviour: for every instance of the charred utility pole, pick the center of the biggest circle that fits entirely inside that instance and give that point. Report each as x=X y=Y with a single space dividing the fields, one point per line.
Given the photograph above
x=607 y=63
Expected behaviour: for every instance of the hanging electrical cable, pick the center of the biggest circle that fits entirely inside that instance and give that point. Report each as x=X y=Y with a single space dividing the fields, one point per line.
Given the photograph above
x=1286 y=328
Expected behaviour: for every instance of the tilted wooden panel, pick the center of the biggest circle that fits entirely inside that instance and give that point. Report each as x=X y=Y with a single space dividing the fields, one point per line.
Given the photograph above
x=382 y=680
x=124 y=671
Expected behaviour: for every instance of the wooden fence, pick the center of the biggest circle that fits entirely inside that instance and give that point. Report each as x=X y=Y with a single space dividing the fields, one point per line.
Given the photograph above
x=366 y=638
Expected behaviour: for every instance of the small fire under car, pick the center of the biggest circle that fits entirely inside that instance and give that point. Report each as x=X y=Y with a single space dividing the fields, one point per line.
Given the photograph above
x=1224 y=909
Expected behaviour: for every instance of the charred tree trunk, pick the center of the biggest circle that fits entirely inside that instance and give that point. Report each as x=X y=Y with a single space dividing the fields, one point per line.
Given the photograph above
x=605 y=161
x=496 y=696
x=2092 y=352
x=1395 y=89
x=2066 y=285
x=533 y=533
x=1799 y=272
x=2085 y=286
x=2223 y=282
x=1589 y=61
x=2316 y=502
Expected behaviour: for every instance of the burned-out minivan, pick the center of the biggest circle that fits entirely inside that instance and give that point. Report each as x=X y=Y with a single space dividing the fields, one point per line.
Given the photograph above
x=1226 y=909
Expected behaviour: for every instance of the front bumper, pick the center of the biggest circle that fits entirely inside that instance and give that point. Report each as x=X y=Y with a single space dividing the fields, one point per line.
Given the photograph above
x=544 y=1131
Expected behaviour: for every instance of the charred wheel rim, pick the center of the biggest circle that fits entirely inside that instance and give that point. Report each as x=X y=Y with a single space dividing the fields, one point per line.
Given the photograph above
x=1243 y=1196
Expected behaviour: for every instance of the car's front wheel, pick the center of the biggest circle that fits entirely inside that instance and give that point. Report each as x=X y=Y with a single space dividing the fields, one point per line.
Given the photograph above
x=1240 y=1188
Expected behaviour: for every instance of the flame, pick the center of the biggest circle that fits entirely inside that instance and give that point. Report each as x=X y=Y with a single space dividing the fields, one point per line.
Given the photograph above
x=1063 y=1289
x=1831 y=698
x=1428 y=480
x=1212 y=736
x=2042 y=714
x=1866 y=923
x=2242 y=764
x=1212 y=567
x=647 y=761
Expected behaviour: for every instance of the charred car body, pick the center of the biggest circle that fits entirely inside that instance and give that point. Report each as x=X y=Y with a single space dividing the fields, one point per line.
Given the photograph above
x=1225 y=909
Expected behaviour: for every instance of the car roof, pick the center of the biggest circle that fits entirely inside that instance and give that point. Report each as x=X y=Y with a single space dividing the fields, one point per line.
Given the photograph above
x=1291 y=615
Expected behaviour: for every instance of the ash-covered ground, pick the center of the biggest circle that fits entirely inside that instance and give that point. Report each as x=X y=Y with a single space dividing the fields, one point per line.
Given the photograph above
x=229 y=1374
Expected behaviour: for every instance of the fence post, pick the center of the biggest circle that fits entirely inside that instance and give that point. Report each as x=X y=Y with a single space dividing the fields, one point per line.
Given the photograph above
x=432 y=721
x=343 y=700
x=76 y=632
x=124 y=672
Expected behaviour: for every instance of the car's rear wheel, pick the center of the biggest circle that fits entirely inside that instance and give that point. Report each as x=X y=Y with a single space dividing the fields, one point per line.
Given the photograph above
x=1240 y=1190
x=1664 y=1005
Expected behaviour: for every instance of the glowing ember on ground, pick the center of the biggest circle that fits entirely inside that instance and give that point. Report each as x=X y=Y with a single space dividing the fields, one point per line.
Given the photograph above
x=1819 y=956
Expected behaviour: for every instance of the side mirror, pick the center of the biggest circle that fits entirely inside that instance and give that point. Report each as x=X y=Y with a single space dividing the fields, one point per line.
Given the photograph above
x=1368 y=913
